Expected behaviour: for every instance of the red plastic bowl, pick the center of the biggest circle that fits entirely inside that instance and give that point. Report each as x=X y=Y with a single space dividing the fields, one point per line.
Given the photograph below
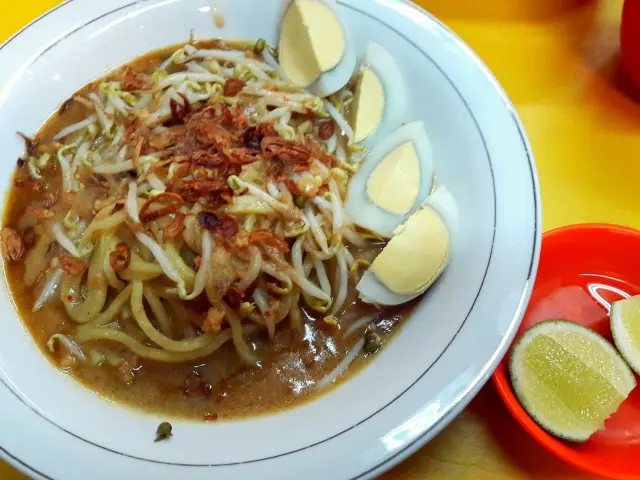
x=583 y=268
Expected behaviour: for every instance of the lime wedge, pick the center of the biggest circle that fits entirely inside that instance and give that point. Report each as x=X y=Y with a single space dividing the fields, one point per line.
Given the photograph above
x=625 y=326
x=568 y=378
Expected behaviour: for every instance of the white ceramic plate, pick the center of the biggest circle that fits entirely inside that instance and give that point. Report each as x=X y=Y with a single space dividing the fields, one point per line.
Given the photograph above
x=52 y=428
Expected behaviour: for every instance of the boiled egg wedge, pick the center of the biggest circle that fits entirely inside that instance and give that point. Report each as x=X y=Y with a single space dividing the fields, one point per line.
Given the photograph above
x=415 y=257
x=393 y=181
x=380 y=102
x=316 y=51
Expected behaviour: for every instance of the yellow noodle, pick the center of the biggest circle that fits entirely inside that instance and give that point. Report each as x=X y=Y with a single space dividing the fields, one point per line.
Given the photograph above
x=238 y=335
x=179 y=309
x=109 y=223
x=35 y=262
x=169 y=293
x=162 y=317
x=111 y=241
x=295 y=318
x=150 y=353
x=141 y=270
x=85 y=311
x=117 y=304
x=192 y=234
x=154 y=335
x=178 y=263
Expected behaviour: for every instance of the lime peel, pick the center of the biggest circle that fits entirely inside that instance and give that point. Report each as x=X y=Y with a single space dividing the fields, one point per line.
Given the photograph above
x=625 y=327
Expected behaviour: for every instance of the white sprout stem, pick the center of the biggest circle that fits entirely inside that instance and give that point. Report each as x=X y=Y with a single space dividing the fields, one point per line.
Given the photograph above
x=68 y=181
x=322 y=276
x=308 y=287
x=273 y=63
x=118 y=103
x=159 y=116
x=338 y=210
x=348 y=257
x=343 y=282
x=72 y=347
x=82 y=152
x=122 y=153
x=296 y=256
x=285 y=119
x=279 y=102
x=332 y=143
x=322 y=203
x=275 y=114
x=118 y=137
x=156 y=183
x=169 y=94
x=49 y=289
x=161 y=257
x=342 y=366
x=113 y=168
x=284 y=96
x=322 y=169
x=258 y=72
x=341 y=154
x=144 y=101
x=260 y=298
x=364 y=321
x=340 y=120
x=280 y=207
x=317 y=232
x=132 y=202
x=354 y=238
x=195 y=67
x=64 y=241
x=253 y=271
x=224 y=55
x=178 y=78
x=105 y=120
x=273 y=190
x=201 y=276
x=76 y=127
x=272 y=271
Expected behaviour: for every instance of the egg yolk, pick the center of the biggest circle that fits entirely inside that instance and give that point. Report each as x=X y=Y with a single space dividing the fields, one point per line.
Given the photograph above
x=312 y=41
x=368 y=105
x=415 y=257
x=395 y=183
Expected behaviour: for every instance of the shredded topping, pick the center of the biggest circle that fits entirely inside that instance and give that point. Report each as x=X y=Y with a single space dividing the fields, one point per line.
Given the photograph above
x=120 y=258
x=72 y=266
x=12 y=245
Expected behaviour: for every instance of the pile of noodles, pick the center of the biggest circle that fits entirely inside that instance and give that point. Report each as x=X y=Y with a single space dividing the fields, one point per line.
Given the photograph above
x=211 y=180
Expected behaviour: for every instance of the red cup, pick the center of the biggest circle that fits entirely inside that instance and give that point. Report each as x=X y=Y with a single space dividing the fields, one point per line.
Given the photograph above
x=583 y=269
x=630 y=39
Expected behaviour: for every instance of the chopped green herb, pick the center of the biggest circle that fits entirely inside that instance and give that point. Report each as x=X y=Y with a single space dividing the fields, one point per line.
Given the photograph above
x=164 y=431
x=372 y=342
x=260 y=46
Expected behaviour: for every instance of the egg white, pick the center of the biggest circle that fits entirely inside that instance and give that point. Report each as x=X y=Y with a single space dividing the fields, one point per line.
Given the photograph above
x=337 y=78
x=361 y=209
x=382 y=63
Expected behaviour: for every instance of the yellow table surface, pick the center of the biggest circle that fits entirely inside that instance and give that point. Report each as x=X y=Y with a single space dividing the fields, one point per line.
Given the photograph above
x=559 y=62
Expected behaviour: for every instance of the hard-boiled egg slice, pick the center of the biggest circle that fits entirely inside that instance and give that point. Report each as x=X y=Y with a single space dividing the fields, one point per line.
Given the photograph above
x=442 y=201
x=415 y=257
x=380 y=102
x=393 y=181
x=316 y=51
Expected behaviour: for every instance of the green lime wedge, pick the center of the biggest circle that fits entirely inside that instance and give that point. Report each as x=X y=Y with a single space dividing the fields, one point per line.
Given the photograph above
x=568 y=378
x=625 y=326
